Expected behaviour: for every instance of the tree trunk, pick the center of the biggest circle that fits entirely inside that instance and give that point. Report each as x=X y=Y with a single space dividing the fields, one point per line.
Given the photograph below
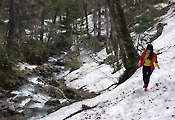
x=128 y=43
x=1 y=5
x=114 y=21
x=21 y=27
x=115 y=44
x=95 y=29
x=129 y=54
x=108 y=45
x=42 y=25
x=54 y=22
x=99 y=20
x=86 y=16
x=11 y=41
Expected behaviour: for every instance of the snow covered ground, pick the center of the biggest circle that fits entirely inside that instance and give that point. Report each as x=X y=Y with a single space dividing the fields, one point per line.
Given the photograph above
x=92 y=76
x=128 y=101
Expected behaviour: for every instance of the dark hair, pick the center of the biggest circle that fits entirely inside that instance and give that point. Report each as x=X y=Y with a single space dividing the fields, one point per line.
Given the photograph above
x=150 y=47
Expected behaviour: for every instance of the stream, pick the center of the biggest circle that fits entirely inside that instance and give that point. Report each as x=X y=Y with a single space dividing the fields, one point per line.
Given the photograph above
x=39 y=95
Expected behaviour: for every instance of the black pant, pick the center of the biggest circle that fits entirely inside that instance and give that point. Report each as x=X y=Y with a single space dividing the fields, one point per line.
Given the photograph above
x=146 y=75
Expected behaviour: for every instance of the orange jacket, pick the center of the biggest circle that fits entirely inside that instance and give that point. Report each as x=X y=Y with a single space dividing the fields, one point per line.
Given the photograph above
x=142 y=58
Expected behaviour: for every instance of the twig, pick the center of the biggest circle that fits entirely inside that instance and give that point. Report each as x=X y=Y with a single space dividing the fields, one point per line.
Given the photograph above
x=84 y=108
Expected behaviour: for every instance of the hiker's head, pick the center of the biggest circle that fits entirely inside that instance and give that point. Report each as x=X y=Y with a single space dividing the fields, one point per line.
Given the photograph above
x=149 y=48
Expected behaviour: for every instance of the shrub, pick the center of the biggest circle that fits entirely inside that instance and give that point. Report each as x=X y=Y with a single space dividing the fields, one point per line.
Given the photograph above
x=73 y=63
x=8 y=58
x=34 y=51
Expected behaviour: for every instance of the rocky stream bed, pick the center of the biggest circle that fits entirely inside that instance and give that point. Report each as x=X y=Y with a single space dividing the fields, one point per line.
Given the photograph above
x=42 y=92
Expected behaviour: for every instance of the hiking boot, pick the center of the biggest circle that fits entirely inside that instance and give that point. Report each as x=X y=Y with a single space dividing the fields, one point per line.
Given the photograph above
x=144 y=86
x=146 y=89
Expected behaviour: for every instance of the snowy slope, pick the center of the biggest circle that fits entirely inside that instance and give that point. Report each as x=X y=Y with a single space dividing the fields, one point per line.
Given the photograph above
x=128 y=101
x=92 y=76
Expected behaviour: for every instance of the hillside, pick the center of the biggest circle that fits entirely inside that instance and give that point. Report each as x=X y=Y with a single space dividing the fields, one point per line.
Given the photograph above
x=128 y=101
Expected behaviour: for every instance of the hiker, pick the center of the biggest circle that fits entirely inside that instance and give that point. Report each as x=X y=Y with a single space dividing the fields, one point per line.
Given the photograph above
x=147 y=59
